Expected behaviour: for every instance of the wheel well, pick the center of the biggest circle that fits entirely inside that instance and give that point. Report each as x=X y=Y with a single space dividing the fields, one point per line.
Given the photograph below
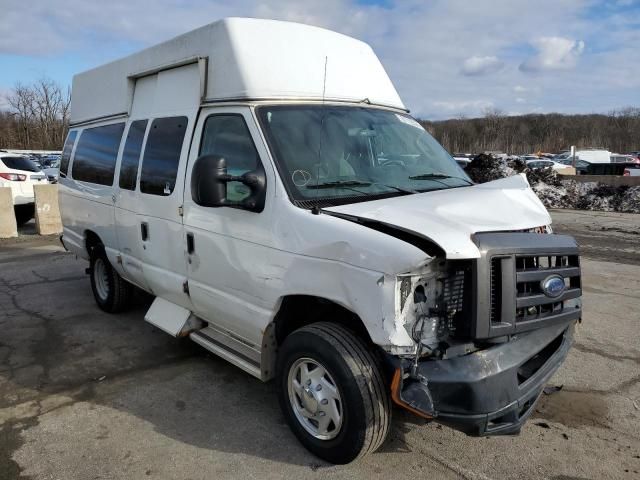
x=91 y=240
x=299 y=310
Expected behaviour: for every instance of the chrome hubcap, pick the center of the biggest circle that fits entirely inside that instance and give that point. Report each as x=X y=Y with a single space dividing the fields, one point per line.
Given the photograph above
x=315 y=398
x=101 y=279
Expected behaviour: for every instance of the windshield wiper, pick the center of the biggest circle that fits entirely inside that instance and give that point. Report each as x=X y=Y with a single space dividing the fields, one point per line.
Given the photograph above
x=406 y=191
x=340 y=183
x=437 y=176
x=359 y=183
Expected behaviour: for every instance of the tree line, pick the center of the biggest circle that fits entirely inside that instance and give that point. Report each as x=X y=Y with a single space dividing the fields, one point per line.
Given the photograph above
x=617 y=131
x=36 y=117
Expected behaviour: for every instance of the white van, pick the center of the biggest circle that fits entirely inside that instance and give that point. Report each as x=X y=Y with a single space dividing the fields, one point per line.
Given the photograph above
x=264 y=181
x=592 y=155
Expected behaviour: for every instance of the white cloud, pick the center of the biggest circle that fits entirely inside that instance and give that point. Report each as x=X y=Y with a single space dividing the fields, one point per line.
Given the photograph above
x=554 y=53
x=521 y=100
x=481 y=65
x=474 y=106
x=427 y=48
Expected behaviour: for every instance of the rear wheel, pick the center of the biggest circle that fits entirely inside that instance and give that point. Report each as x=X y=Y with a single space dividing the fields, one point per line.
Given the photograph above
x=332 y=392
x=24 y=213
x=111 y=292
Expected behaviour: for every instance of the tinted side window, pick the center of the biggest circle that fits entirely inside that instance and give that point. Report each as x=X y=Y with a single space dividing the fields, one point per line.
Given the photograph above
x=95 y=158
x=131 y=154
x=229 y=137
x=162 y=155
x=66 y=151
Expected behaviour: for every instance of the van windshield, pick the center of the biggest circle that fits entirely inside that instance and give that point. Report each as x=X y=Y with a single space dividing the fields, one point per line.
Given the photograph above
x=345 y=153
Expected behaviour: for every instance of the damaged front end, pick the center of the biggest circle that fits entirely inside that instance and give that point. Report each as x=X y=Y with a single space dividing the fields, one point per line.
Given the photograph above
x=489 y=333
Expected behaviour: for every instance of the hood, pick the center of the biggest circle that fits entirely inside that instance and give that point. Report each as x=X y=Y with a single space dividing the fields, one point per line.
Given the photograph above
x=450 y=217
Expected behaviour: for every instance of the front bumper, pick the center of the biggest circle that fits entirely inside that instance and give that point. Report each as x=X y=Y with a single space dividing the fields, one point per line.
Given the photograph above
x=489 y=392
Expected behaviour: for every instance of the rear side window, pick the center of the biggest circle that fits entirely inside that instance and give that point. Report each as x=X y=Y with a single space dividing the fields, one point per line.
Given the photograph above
x=96 y=153
x=20 y=163
x=131 y=155
x=66 y=152
x=162 y=155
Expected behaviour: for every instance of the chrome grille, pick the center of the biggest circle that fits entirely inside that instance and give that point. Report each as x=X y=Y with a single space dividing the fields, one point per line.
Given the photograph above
x=531 y=270
x=507 y=291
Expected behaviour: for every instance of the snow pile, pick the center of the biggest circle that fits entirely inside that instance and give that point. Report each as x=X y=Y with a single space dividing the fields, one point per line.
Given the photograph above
x=555 y=191
x=630 y=200
x=484 y=168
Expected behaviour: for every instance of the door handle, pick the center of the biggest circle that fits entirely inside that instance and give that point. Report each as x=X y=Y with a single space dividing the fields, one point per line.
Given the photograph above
x=191 y=247
x=144 y=231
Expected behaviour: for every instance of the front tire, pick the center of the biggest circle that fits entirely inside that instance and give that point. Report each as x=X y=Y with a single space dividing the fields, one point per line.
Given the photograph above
x=332 y=393
x=111 y=292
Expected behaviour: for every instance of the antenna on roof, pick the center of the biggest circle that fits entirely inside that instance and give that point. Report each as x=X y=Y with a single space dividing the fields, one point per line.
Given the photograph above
x=324 y=88
x=324 y=80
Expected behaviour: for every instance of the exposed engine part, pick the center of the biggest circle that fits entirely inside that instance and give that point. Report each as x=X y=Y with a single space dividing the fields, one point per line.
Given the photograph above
x=432 y=304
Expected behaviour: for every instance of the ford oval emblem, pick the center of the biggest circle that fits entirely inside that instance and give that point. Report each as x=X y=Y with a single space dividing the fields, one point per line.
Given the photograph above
x=553 y=286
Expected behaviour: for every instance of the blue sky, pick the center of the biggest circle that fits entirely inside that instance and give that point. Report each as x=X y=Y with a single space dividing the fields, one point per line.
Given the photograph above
x=448 y=58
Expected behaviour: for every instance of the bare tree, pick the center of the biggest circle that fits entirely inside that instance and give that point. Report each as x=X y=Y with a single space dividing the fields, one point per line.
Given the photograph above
x=617 y=131
x=42 y=113
x=22 y=101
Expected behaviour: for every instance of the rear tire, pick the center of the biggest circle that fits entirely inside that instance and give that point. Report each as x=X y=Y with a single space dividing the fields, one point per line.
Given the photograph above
x=24 y=213
x=111 y=292
x=347 y=367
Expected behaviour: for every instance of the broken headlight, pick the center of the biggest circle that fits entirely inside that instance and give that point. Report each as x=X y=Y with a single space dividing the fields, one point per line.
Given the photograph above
x=431 y=305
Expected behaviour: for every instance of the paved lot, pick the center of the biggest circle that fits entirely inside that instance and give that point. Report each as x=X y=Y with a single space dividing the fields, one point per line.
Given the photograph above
x=86 y=395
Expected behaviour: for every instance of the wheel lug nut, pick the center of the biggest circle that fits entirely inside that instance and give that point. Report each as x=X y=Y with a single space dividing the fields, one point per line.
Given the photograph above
x=318 y=387
x=309 y=382
x=324 y=401
x=321 y=414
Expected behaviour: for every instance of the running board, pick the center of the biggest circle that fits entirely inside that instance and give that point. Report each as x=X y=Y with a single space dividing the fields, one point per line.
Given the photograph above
x=232 y=349
x=172 y=319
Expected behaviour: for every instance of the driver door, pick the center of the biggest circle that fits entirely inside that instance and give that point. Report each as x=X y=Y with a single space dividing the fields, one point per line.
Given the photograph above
x=226 y=246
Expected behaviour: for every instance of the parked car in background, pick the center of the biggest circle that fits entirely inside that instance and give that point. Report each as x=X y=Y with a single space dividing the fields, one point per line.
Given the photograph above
x=632 y=170
x=589 y=155
x=543 y=163
x=48 y=160
x=618 y=158
x=582 y=166
x=51 y=168
x=463 y=159
x=20 y=174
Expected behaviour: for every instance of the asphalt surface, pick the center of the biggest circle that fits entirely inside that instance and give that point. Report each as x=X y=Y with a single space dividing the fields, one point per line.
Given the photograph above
x=87 y=395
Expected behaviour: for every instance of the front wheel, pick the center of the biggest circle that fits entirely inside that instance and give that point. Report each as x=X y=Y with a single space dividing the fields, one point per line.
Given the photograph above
x=111 y=292
x=332 y=393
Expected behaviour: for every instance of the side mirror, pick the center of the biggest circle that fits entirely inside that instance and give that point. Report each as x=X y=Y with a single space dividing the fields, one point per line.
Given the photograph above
x=209 y=184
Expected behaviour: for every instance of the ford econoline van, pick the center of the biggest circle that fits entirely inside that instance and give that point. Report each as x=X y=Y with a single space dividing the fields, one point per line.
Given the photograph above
x=265 y=183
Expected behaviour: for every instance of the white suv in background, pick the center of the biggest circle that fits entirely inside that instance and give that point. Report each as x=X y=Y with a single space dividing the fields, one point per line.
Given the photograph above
x=20 y=174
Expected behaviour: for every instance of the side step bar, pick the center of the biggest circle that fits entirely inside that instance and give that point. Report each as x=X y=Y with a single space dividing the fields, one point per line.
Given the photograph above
x=177 y=321
x=223 y=345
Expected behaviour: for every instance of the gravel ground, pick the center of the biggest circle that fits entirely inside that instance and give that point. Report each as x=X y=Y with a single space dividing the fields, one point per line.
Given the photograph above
x=609 y=236
x=87 y=395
